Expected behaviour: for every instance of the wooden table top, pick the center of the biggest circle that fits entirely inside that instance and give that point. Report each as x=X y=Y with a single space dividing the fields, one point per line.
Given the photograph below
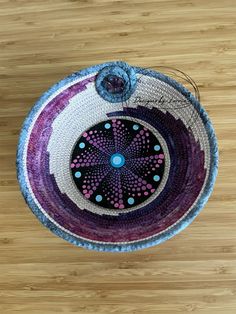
x=40 y=43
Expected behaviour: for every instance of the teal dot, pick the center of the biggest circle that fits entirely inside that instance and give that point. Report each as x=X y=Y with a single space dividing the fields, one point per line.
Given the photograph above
x=98 y=198
x=78 y=174
x=157 y=147
x=156 y=178
x=107 y=126
x=82 y=145
x=135 y=127
x=117 y=160
x=130 y=200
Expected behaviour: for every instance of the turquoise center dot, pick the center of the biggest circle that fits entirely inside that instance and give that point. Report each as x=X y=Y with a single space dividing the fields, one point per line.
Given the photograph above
x=117 y=160
x=82 y=145
x=135 y=127
x=78 y=174
x=130 y=200
x=156 y=178
x=157 y=147
x=107 y=126
x=98 y=198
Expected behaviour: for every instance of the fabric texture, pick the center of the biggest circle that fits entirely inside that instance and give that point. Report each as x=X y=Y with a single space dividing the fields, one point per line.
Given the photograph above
x=117 y=158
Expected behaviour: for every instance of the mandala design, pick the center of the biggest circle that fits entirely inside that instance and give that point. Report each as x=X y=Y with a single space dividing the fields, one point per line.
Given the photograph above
x=107 y=172
x=117 y=164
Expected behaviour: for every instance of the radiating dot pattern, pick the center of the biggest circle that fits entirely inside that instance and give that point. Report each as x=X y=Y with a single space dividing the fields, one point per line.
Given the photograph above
x=119 y=163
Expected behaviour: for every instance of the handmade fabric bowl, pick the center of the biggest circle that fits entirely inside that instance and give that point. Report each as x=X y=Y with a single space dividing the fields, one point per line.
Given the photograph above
x=117 y=158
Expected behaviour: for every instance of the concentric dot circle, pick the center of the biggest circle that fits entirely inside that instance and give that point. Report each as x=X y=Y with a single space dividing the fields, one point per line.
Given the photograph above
x=117 y=160
x=117 y=164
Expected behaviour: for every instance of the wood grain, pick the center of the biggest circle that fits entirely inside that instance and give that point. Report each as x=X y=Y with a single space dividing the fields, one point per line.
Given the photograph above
x=40 y=43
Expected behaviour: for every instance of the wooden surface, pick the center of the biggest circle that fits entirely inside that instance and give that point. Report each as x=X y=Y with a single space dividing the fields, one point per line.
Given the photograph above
x=40 y=43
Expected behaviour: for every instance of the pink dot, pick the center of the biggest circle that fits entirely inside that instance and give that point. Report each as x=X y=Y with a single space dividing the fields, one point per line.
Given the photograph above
x=160 y=161
x=139 y=194
x=87 y=195
x=149 y=186
x=85 y=134
x=75 y=160
x=152 y=190
x=161 y=156
x=146 y=193
x=116 y=205
x=85 y=191
x=121 y=206
x=90 y=192
x=143 y=188
x=90 y=132
x=72 y=165
x=77 y=165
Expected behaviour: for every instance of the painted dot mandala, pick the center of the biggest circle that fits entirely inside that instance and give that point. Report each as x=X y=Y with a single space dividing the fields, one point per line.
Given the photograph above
x=117 y=158
x=117 y=164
